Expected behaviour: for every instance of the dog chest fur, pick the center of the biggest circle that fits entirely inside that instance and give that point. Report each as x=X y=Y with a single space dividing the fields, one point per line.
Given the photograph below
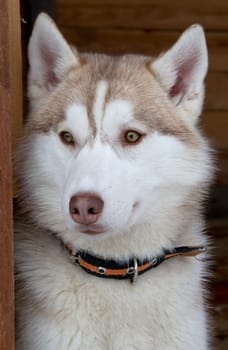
x=71 y=310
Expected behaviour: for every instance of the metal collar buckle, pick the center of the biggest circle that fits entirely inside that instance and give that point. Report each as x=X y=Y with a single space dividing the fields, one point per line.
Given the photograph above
x=75 y=258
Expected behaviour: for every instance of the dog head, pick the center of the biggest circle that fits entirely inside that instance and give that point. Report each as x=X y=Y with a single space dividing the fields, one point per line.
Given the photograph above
x=111 y=142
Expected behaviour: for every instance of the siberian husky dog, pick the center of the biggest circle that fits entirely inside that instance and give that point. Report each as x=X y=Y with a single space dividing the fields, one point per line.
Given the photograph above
x=112 y=171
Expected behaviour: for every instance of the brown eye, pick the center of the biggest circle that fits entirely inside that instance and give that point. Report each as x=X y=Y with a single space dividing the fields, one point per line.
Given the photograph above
x=132 y=136
x=67 y=138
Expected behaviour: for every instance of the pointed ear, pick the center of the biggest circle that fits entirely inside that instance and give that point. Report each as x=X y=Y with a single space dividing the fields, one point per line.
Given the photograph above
x=181 y=72
x=50 y=57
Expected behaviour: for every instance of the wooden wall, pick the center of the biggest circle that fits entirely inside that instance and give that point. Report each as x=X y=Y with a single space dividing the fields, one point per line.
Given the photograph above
x=149 y=27
x=10 y=127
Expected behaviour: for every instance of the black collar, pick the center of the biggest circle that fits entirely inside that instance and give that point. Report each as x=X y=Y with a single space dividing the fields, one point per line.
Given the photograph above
x=130 y=269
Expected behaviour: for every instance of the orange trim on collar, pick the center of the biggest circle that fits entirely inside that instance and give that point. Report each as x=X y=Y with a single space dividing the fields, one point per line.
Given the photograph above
x=126 y=270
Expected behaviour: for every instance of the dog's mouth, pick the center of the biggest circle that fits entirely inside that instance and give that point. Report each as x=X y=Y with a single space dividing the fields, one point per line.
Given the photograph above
x=91 y=229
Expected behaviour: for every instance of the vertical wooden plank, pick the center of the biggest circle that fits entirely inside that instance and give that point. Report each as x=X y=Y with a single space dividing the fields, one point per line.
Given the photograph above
x=16 y=89
x=10 y=110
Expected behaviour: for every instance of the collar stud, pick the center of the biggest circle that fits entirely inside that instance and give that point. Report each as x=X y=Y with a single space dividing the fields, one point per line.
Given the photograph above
x=154 y=261
x=101 y=270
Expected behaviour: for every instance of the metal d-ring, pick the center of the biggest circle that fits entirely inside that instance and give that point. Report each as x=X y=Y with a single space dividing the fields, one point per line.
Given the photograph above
x=135 y=275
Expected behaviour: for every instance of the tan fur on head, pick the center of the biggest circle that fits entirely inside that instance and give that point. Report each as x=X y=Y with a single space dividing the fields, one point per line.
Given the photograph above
x=128 y=78
x=139 y=79
x=180 y=71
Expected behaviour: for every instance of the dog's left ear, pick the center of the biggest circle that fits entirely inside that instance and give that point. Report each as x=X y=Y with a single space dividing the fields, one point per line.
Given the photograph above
x=181 y=72
x=50 y=58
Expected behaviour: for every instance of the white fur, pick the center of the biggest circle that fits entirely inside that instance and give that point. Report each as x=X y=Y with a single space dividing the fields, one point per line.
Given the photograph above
x=117 y=115
x=98 y=108
x=150 y=193
x=76 y=114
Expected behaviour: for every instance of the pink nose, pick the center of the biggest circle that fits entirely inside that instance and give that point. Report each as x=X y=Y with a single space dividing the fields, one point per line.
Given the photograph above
x=85 y=208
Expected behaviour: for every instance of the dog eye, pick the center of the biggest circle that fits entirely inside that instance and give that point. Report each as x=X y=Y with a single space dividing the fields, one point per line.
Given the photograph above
x=67 y=138
x=132 y=136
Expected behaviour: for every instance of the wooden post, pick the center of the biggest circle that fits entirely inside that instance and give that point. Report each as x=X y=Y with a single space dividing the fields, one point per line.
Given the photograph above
x=10 y=114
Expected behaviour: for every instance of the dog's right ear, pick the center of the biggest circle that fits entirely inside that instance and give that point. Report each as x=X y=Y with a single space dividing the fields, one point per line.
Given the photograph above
x=181 y=72
x=50 y=57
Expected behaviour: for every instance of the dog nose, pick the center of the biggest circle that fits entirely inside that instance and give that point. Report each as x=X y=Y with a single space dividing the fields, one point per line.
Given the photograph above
x=85 y=208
